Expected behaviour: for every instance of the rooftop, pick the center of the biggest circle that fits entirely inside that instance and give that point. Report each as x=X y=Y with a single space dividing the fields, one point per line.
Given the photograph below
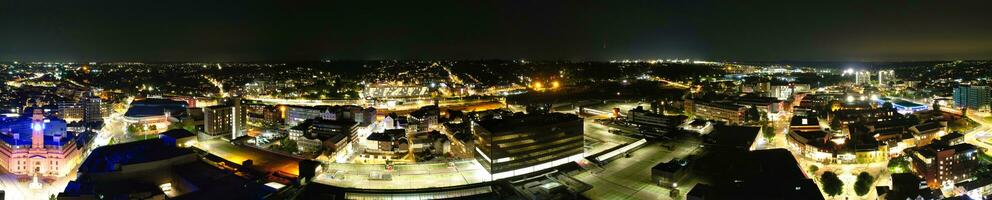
x=519 y=121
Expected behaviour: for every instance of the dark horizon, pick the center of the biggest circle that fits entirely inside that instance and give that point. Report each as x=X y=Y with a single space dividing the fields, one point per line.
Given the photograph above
x=252 y=31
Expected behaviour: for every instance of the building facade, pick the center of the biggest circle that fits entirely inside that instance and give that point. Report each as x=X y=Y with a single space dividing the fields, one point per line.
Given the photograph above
x=520 y=144
x=941 y=164
x=298 y=114
x=730 y=113
x=39 y=146
x=972 y=97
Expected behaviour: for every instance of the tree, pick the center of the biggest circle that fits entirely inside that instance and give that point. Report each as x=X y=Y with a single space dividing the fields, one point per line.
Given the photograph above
x=752 y=114
x=887 y=105
x=864 y=183
x=813 y=169
x=768 y=131
x=899 y=164
x=133 y=129
x=831 y=184
x=288 y=145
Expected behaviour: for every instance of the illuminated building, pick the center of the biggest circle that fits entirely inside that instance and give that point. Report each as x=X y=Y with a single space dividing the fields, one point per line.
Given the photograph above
x=972 y=97
x=925 y=133
x=332 y=134
x=730 y=113
x=903 y=106
x=885 y=76
x=224 y=120
x=653 y=125
x=297 y=114
x=424 y=119
x=92 y=108
x=783 y=92
x=157 y=113
x=941 y=164
x=521 y=144
x=71 y=111
x=39 y=145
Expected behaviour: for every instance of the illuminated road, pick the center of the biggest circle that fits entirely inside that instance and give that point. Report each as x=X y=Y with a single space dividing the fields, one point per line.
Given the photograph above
x=979 y=136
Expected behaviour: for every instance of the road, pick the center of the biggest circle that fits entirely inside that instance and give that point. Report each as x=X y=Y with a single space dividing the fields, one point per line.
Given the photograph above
x=979 y=136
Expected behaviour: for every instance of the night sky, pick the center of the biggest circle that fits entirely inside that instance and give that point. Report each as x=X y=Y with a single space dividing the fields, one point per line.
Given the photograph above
x=287 y=30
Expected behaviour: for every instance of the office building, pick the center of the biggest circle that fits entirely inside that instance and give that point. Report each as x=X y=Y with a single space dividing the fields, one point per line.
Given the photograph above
x=730 y=113
x=525 y=143
x=653 y=125
x=972 y=97
x=93 y=110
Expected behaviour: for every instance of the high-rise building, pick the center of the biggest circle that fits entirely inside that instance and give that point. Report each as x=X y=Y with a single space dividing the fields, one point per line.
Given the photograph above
x=862 y=77
x=222 y=120
x=92 y=106
x=972 y=97
x=885 y=76
x=525 y=143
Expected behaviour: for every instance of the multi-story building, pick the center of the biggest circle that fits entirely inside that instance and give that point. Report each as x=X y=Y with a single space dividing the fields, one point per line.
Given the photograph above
x=71 y=111
x=942 y=164
x=40 y=146
x=783 y=92
x=925 y=133
x=297 y=114
x=93 y=110
x=424 y=119
x=388 y=144
x=766 y=104
x=862 y=77
x=334 y=135
x=260 y=116
x=886 y=76
x=972 y=97
x=730 y=113
x=653 y=125
x=525 y=143
x=224 y=120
